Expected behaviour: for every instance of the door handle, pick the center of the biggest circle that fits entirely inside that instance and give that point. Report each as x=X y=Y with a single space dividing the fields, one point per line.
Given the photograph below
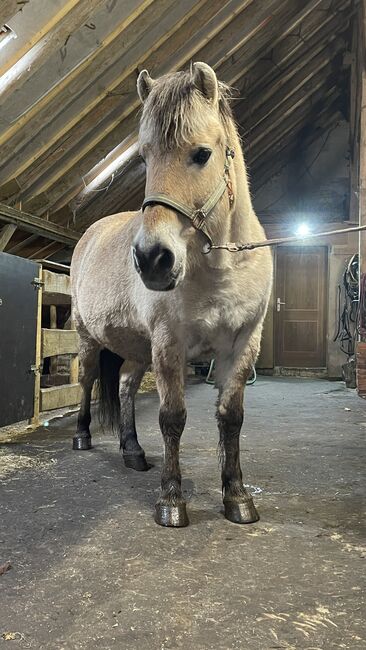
x=279 y=303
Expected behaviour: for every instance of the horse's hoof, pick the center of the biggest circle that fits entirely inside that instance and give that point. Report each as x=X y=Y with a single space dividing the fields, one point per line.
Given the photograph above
x=136 y=462
x=82 y=442
x=175 y=516
x=241 y=513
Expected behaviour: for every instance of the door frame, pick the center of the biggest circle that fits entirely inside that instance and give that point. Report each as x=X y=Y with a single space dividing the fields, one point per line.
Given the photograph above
x=277 y=368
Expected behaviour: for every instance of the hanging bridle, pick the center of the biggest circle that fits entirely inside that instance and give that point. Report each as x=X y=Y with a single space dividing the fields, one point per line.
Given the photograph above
x=198 y=216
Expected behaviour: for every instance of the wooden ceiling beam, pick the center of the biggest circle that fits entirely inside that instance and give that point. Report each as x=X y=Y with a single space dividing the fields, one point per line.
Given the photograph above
x=58 y=205
x=47 y=162
x=49 y=37
x=254 y=128
x=25 y=241
x=93 y=155
x=95 y=147
x=251 y=113
x=44 y=252
x=300 y=30
x=47 y=108
x=38 y=226
x=279 y=58
x=297 y=141
x=84 y=100
x=6 y=233
x=305 y=112
x=8 y=9
x=289 y=17
x=69 y=194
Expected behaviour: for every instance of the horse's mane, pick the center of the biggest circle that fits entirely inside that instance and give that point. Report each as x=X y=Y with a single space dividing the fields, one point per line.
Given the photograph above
x=174 y=108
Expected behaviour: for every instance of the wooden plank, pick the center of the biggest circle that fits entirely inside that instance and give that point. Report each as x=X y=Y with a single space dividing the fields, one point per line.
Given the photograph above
x=39 y=226
x=6 y=234
x=57 y=397
x=55 y=342
x=21 y=244
x=53 y=326
x=56 y=284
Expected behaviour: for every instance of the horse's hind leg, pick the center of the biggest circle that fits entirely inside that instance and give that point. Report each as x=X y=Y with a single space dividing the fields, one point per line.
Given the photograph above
x=238 y=503
x=89 y=368
x=130 y=379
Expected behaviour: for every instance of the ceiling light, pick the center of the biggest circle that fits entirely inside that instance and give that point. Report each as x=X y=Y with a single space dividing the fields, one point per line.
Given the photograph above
x=303 y=229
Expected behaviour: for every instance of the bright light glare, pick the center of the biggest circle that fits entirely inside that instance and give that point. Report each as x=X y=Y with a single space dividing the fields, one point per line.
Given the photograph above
x=303 y=229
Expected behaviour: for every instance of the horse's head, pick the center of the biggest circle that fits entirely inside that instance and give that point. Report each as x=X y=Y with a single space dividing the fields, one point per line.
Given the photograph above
x=183 y=141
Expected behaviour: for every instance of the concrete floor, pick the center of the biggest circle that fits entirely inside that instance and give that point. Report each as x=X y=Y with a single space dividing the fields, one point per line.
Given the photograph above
x=91 y=569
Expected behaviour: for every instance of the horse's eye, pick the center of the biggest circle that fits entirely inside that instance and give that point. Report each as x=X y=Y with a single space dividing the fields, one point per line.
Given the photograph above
x=201 y=156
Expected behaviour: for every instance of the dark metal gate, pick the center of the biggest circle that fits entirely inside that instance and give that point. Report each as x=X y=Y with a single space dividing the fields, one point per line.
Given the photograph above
x=18 y=328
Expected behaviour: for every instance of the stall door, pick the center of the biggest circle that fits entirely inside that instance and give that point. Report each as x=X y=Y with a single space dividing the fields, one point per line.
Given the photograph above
x=300 y=307
x=18 y=325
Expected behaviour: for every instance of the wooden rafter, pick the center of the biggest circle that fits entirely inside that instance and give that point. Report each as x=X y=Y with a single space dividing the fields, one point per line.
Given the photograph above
x=38 y=226
x=6 y=233
x=62 y=201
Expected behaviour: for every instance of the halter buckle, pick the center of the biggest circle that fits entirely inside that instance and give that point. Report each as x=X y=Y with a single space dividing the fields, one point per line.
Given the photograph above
x=198 y=218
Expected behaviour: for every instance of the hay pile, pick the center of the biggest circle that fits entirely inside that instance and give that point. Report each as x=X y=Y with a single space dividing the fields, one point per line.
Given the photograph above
x=12 y=462
x=148 y=383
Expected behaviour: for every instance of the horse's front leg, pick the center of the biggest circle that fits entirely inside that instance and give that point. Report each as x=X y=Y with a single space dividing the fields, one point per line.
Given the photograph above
x=168 y=361
x=238 y=503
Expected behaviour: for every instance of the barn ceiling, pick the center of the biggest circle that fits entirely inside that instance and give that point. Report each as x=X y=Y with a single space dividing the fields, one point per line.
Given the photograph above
x=69 y=108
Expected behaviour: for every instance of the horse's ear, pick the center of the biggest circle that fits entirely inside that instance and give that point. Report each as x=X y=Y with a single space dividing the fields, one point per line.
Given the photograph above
x=144 y=84
x=204 y=78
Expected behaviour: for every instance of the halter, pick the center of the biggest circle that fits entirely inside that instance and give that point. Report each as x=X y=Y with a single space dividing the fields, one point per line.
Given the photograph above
x=197 y=217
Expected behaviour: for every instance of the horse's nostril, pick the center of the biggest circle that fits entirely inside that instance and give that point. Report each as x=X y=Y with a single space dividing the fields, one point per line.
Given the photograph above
x=165 y=260
x=153 y=261
x=136 y=260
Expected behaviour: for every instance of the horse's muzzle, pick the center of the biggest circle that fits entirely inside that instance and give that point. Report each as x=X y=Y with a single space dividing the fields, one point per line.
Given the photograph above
x=155 y=267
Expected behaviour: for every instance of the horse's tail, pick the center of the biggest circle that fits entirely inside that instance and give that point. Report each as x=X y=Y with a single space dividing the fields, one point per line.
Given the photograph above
x=109 y=404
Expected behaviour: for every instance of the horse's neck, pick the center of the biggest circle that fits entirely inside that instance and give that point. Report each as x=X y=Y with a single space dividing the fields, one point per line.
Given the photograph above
x=240 y=224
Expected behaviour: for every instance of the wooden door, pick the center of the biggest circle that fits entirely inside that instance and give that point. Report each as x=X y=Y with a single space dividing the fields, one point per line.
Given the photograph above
x=18 y=326
x=300 y=307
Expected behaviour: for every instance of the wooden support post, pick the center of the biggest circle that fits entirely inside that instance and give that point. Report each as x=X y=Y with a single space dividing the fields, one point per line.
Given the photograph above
x=37 y=383
x=74 y=363
x=53 y=326
x=6 y=234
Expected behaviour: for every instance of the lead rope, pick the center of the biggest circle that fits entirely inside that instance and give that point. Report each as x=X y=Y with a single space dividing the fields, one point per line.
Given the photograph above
x=238 y=247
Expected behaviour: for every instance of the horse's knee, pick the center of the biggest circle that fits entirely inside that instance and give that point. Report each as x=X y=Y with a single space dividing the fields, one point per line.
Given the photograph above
x=230 y=417
x=172 y=421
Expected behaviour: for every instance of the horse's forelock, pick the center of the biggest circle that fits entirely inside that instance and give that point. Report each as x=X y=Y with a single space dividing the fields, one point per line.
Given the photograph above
x=173 y=109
